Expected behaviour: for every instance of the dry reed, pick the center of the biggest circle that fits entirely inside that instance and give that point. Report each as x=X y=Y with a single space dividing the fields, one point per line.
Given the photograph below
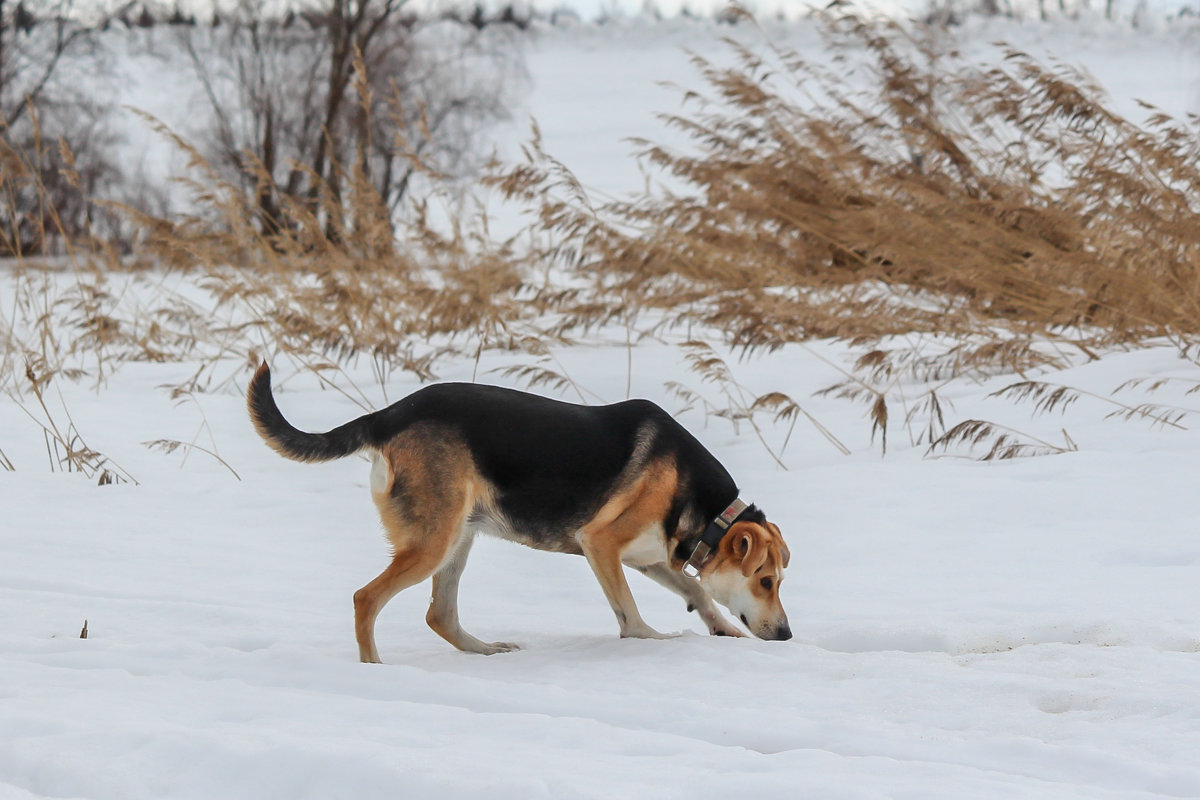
x=946 y=197
x=1003 y=213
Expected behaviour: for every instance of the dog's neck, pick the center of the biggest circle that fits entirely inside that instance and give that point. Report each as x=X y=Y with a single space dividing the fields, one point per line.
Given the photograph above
x=694 y=551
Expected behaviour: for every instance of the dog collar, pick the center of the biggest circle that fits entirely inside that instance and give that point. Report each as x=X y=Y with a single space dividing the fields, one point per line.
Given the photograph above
x=712 y=536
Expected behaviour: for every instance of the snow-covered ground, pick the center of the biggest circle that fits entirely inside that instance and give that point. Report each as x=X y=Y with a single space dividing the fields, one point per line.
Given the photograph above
x=1028 y=628
x=1020 y=629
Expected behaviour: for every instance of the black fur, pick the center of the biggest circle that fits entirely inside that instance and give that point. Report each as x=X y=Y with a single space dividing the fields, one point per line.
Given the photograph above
x=553 y=463
x=291 y=442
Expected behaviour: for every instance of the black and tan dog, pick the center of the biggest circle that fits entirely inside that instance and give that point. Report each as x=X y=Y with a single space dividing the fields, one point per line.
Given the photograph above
x=619 y=484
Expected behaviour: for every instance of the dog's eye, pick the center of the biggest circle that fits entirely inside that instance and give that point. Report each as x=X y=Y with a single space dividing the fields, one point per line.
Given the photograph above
x=767 y=583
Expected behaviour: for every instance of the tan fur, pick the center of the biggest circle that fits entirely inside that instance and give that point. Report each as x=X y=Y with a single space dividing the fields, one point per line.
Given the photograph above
x=747 y=554
x=433 y=498
x=424 y=518
x=617 y=526
x=425 y=485
x=427 y=488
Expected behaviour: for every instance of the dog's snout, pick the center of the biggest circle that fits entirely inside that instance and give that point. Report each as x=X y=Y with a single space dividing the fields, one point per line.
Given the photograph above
x=774 y=633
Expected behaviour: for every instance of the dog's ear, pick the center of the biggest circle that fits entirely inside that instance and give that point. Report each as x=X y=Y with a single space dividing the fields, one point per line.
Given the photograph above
x=787 y=554
x=750 y=545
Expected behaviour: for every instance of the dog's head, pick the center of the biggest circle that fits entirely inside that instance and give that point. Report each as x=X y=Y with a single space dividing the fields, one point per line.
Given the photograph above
x=744 y=576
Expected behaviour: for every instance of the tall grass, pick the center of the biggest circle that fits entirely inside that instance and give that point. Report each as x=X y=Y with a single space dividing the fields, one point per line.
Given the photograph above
x=896 y=189
x=940 y=196
x=1003 y=219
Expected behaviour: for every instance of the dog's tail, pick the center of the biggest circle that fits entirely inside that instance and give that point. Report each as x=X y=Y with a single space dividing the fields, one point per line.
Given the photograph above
x=292 y=442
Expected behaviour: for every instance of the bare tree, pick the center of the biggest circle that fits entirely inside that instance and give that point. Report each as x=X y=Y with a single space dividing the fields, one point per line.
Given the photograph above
x=31 y=48
x=55 y=148
x=354 y=90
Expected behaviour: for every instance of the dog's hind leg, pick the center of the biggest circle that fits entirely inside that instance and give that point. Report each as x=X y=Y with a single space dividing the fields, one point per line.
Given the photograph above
x=423 y=486
x=408 y=568
x=443 y=607
x=697 y=599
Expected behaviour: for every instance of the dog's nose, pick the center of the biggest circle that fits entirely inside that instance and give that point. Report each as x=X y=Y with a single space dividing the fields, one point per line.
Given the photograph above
x=783 y=633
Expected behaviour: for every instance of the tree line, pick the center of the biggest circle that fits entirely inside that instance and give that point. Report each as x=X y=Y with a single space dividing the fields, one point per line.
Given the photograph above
x=303 y=107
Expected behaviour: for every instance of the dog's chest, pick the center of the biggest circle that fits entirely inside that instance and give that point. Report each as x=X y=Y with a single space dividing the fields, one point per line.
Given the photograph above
x=650 y=547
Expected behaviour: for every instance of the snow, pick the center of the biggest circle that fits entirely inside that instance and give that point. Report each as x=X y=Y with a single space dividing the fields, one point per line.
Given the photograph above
x=1027 y=628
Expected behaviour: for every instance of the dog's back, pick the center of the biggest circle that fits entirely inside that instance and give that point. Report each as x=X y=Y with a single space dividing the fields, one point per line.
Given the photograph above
x=551 y=462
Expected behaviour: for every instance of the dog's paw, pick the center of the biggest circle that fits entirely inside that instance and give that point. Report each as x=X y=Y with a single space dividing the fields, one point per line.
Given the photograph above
x=492 y=648
x=646 y=632
x=727 y=630
x=719 y=626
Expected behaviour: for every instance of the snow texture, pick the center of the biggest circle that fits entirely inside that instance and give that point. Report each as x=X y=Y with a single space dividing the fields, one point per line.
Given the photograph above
x=1026 y=629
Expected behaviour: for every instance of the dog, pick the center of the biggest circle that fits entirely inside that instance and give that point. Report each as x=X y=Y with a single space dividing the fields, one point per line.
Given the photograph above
x=619 y=484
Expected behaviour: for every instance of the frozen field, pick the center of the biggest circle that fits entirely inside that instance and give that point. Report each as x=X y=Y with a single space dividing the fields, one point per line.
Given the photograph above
x=1017 y=629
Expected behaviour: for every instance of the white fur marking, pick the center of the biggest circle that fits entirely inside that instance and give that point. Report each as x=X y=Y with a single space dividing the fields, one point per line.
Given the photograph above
x=650 y=547
x=381 y=474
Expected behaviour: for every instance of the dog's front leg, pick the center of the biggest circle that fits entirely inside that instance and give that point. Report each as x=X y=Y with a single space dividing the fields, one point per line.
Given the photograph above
x=604 y=557
x=697 y=599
